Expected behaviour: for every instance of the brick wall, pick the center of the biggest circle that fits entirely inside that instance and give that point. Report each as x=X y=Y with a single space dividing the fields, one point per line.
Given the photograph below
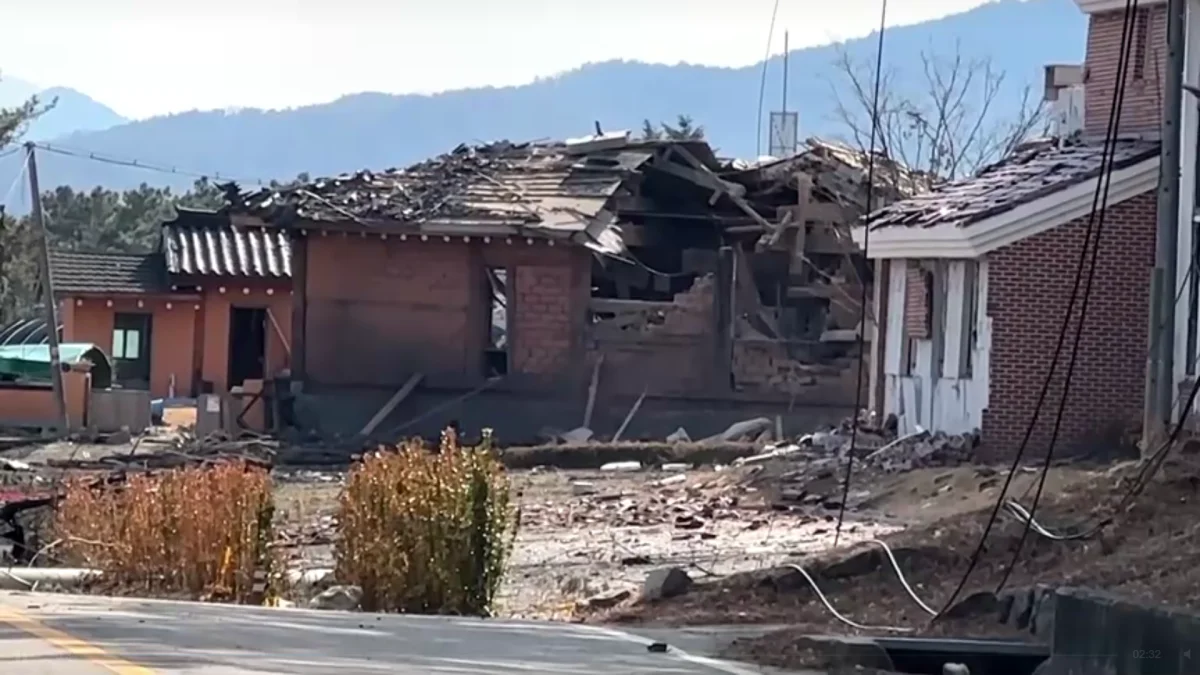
x=1141 y=112
x=916 y=301
x=1029 y=287
x=543 y=320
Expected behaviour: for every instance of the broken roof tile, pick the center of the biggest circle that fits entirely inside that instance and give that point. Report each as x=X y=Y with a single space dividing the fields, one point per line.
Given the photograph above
x=1030 y=173
x=544 y=186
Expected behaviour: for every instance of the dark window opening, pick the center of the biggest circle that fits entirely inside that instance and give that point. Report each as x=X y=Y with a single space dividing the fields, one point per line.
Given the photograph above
x=131 y=350
x=247 y=344
x=1141 y=37
x=496 y=350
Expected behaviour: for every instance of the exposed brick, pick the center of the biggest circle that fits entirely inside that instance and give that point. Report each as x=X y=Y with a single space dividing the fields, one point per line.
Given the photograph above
x=1029 y=287
x=916 y=301
x=543 y=321
x=1142 y=109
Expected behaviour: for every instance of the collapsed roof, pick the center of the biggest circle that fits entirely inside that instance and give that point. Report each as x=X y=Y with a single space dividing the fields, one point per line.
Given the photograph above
x=584 y=190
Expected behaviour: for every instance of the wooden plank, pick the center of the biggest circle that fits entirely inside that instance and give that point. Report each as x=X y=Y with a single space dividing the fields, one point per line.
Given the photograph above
x=629 y=417
x=401 y=394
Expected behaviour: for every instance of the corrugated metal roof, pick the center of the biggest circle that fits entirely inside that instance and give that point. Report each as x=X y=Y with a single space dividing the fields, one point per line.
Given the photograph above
x=203 y=243
x=78 y=272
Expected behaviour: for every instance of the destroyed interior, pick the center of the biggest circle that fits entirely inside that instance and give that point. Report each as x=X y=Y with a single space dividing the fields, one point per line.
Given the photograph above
x=589 y=273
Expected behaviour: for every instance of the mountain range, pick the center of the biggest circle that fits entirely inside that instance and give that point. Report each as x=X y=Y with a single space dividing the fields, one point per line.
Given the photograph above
x=377 y=131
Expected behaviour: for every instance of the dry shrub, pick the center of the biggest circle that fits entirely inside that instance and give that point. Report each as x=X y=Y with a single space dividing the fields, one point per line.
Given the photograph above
x=195 y=532
x=426 y=532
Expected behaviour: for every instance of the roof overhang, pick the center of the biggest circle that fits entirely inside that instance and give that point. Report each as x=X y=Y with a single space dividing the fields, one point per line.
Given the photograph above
x=1098 y=6
x=1026 y=220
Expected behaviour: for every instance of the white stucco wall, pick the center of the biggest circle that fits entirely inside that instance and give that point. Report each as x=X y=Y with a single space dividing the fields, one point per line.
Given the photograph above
x=926 y=396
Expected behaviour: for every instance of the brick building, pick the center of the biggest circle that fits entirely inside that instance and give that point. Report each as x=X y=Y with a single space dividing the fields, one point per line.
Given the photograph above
x=209 y=309
x=549 y=274
x=974 y=277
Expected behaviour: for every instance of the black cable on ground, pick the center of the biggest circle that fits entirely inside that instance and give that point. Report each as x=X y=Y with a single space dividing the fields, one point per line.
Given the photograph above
x=1109 y=144
x=1105 y=180
x=862 y=317
x=1149 y=468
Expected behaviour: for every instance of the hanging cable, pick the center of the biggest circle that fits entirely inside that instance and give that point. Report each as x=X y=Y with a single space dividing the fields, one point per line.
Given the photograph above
x=137 y=164
x=762 y=87
x=1106 y=152
x=1105 y=179
x=862 y=316
x=1150 y=467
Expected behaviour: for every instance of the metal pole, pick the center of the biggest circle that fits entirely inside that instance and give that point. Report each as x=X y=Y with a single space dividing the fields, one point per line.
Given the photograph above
x=1168 y=210
x=785 y=72
x=39 y=227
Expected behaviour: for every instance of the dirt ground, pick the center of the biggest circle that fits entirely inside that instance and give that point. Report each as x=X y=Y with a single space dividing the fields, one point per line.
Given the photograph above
x=587 y=539
x=587 y=534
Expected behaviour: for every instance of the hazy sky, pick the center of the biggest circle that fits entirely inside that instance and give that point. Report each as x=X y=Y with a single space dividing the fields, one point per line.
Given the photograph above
x=148 y=57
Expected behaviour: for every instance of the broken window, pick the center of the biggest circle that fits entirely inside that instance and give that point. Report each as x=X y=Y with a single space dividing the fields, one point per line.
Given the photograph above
x=970 y=329
x=496 y=352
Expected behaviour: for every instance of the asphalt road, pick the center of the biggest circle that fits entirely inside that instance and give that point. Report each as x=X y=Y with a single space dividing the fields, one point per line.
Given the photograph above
x=50 y=634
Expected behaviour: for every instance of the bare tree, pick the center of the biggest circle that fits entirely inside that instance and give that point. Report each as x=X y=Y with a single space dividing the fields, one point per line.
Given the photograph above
x=950 y=128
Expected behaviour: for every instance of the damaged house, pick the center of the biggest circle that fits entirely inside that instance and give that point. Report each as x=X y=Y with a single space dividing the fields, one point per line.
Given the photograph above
x=975 y=276
x=575 y=275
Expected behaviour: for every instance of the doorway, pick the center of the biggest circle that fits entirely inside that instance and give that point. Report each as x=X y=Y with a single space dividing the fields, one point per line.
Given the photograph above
x=131 y=350
x=247 y=344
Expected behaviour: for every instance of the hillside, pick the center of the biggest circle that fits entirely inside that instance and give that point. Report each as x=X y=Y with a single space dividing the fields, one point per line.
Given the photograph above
x=73 y=111
x=372 y=130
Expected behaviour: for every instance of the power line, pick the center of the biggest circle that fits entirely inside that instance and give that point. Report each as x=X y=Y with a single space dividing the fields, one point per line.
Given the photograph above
x=1105 y=169
x=10 y=152
x=1114 y=126
x=138 y=164
x=762 y=87
x=862 y=320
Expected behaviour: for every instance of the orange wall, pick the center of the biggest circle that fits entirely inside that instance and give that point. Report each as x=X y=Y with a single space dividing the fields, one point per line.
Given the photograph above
x=35 y=405
x=172 y=333
x=187 y=336
x=219 y=300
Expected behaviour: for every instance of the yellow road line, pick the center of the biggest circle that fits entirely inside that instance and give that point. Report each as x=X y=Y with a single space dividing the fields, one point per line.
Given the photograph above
x=71 y=644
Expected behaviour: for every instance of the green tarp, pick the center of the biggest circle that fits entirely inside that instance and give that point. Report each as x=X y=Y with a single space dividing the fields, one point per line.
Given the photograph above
x=32 y=362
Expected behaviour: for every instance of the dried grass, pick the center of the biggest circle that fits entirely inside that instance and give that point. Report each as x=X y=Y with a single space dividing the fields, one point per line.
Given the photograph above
x=200 y=532
x=426 y=532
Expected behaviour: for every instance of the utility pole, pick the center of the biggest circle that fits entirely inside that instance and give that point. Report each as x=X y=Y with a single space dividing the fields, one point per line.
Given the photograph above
x=1167 y=239
x=39 y=227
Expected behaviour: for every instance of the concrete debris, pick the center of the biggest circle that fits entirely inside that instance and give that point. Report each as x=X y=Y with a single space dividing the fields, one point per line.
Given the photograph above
x=338 y=598
x=583 y=488
x=607 y=600
x=622 y=466
x=676 y=466
x=680 y=435
x=666 y=582
x=740 y=431
x=580 y=435
x=672 y=480
x=772 y=453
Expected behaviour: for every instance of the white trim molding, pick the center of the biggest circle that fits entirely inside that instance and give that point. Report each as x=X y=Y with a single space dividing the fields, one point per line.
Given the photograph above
x=982 y=237
x=1097 y=6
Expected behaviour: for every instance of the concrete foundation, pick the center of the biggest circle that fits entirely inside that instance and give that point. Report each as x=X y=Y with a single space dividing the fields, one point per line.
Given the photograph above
x=521 y=419
x=1097 y=633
